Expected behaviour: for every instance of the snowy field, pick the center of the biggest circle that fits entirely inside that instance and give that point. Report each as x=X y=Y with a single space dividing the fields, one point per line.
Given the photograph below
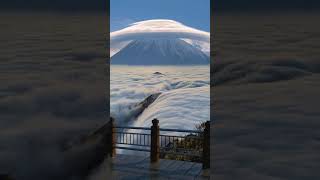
x=184 y=100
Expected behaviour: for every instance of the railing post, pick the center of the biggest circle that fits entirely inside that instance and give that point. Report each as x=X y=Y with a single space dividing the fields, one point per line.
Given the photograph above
x=112 y=146
x=206 y=146
x=155 y=148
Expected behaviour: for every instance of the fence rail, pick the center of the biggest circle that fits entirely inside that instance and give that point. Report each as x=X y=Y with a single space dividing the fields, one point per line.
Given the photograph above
x=180 y=130
x=192 y=145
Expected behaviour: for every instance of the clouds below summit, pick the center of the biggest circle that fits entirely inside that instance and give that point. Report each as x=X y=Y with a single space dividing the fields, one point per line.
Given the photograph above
x=52 y=91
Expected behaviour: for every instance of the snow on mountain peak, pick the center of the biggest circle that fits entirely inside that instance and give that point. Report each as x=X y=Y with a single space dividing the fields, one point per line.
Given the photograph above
x=159 y=29
x=160 y=52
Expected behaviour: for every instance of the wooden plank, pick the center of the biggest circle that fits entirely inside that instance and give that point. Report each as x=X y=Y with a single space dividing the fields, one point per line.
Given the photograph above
x=139 y=167
x=127 y=174
x=132 y=176
x=161 y=166
x=184 y=168
x=202 y=178
x=127 y=165
x=205 y=174
x=175 y=165
x=195 y=170
x=163 y=175
x=144 y=164
x=131 y=171
x=127 y=160
x=179 y=177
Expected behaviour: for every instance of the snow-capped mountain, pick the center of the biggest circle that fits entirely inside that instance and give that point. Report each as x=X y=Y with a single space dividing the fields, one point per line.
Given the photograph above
x=160 y=51
x=159 y=42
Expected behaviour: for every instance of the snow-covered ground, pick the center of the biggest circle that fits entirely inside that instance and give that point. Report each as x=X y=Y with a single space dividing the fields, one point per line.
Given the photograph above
x=184 y=101
x=164 y=51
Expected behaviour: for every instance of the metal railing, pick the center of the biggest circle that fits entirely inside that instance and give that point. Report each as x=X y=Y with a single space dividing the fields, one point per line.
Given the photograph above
x=132 y=140
x=186 y=145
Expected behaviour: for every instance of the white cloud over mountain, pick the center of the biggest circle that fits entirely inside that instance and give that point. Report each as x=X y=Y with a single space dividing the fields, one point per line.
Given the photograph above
x=159 y=29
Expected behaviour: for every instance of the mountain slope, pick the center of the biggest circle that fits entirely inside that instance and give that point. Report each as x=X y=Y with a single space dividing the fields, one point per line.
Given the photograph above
x=160 y=52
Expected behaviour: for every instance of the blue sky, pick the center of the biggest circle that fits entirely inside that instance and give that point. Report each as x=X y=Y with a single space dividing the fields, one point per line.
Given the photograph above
x=194 y=13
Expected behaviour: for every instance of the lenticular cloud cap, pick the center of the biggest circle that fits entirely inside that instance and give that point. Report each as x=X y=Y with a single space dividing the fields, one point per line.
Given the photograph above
x=158 y=29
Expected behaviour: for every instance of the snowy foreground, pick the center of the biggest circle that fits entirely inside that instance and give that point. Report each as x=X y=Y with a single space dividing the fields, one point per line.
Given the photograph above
x=184 y=100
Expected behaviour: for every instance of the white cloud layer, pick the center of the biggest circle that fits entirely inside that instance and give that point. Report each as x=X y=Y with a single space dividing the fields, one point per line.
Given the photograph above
x=185 y=94
x=159 y=28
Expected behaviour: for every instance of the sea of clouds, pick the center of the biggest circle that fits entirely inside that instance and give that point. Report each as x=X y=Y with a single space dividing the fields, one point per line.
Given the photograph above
x=52 y=93
x=184 y=100
x=266 y=80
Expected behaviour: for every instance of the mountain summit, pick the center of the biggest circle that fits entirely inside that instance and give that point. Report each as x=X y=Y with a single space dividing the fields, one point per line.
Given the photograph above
x=160 y=52
x=159 y=42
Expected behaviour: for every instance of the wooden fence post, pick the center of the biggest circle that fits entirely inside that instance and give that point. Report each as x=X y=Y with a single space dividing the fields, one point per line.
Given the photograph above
x=155 y=148
x=112 y=146
x=206 y=146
